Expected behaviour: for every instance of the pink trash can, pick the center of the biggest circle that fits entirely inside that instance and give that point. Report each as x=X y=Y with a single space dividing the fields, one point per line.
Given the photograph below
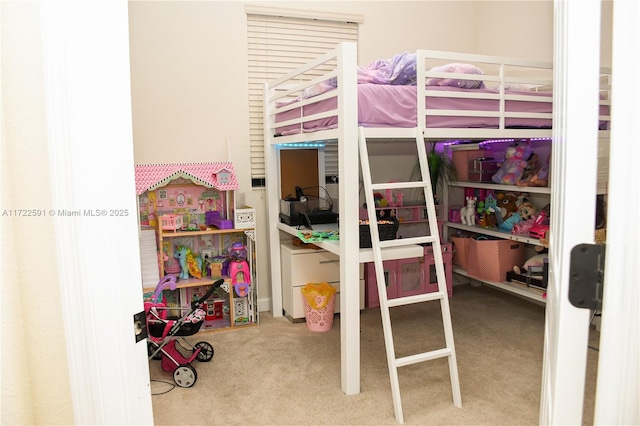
x=319 y=305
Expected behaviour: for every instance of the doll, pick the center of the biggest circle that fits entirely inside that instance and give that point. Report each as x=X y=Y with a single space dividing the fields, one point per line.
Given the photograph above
x=536 y=177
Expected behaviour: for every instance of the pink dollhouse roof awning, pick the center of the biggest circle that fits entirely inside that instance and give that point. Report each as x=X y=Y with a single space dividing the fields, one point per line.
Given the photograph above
x=153 y=176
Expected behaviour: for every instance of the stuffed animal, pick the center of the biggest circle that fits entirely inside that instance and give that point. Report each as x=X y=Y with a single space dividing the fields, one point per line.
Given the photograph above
x=533 y=165
x=508 y=203
x=534 y=261
x=190 y=265
x=536 y=172
x=468 y=212
x=514 y=163
x=541 y=178
x=500 y=208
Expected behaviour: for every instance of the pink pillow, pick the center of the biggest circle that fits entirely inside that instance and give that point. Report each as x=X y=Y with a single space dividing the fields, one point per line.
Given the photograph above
x=459 y=69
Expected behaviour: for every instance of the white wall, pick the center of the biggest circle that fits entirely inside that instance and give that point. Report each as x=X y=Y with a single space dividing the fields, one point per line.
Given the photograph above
x=35 y=385
x=189 y=76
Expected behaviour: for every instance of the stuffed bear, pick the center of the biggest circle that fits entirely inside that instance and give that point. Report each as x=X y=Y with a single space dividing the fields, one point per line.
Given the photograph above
x=514 y=163
x=508 y=203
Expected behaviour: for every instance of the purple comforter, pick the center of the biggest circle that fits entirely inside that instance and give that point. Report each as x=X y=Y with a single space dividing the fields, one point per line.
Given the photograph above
x=399 y=70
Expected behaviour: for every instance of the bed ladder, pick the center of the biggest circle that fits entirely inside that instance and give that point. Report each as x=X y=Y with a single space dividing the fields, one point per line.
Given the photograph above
x=441 y=295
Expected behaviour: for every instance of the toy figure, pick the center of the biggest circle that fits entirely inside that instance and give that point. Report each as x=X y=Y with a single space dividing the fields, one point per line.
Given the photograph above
x=508 y=204
x=171 y=265
x=189 y=264
x=533 y=165
x=514 y=164
x=541 y=178
x=239 y=269
x=537 y=175
x=501 y=211
x=468 y=212
x=527 y=212
x=215 y=266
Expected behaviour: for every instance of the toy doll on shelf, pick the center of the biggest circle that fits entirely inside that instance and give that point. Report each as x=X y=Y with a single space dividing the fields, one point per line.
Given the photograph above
x=239 y=269
x=538 y=174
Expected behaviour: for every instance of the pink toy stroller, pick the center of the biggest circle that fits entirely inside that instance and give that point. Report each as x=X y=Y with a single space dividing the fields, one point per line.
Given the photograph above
x=164 y=333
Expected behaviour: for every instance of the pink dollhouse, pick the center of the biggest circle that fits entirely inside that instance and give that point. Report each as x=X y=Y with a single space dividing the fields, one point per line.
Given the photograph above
x=175 y=196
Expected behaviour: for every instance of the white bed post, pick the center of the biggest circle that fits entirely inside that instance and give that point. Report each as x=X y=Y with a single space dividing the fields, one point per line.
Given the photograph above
x=273 y=209
x=348 y=167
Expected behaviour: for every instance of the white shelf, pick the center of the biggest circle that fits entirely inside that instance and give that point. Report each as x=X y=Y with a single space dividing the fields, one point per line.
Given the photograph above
x=515 y=288
x=500 y=187
x=494 y=232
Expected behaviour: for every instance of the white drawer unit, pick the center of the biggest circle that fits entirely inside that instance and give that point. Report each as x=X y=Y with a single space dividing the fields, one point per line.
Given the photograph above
x=301 y=266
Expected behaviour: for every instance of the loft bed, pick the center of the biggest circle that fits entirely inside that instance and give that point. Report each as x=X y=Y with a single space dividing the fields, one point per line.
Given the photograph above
x=323 y=102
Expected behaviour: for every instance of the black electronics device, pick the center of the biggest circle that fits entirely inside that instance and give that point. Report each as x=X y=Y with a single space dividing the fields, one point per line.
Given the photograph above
x=307 y=210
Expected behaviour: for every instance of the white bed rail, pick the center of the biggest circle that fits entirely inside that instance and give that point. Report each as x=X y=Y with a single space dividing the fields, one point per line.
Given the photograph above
x=290 y=92
x=509 y=80
x=512 y=82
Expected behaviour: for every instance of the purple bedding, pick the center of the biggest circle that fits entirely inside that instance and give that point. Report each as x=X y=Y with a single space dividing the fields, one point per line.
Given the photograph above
x=395 y=106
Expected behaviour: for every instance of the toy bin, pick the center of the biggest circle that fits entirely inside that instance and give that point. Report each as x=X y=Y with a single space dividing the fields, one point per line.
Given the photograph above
x=460 y=248
x=491 y=259
x=387 y=230
x=461 y=158
x=319 y=305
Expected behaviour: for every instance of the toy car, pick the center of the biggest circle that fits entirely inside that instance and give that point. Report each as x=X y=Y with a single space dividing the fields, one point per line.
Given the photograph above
x=540 y=226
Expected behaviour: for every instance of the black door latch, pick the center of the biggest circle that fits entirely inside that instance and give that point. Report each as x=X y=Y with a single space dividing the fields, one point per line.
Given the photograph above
x=586 y=275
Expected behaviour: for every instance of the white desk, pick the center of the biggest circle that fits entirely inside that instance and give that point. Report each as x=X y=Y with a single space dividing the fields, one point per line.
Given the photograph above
x=350 y=300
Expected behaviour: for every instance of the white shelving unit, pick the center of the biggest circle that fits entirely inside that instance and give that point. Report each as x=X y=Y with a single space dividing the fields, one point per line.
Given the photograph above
x=515 y=288
x=544 y=193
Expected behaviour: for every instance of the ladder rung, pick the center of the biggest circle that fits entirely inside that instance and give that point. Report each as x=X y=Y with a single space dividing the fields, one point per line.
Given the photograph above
x=426 y=356
x=408 y=241
x=418 y=298
x=398 y=185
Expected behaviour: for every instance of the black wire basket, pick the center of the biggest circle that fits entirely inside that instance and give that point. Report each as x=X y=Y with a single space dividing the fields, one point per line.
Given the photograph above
x=387 y=229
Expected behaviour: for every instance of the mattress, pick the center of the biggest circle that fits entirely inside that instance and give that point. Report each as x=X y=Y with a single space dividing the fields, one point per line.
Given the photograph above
x=395 y=106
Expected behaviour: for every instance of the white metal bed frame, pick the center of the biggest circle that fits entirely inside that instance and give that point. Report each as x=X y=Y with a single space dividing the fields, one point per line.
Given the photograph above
x=342 y=64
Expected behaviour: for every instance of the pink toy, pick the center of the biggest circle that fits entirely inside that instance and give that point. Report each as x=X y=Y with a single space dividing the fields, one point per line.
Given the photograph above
x=171 y=222
x=540 y=226
x=163 y=334
x=514 y=163
x=171 y=266
x=239 y=269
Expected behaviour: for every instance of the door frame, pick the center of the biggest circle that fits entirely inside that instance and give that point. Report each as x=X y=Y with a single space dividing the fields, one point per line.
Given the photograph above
x=101 y=397
x=90 y=141
x=574 y=168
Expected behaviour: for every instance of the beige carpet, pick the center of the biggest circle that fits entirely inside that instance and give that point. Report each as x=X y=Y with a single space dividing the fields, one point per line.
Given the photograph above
x=279 y=373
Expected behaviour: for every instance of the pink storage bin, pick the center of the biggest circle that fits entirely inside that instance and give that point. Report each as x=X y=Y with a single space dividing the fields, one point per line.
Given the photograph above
x=491 y=259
